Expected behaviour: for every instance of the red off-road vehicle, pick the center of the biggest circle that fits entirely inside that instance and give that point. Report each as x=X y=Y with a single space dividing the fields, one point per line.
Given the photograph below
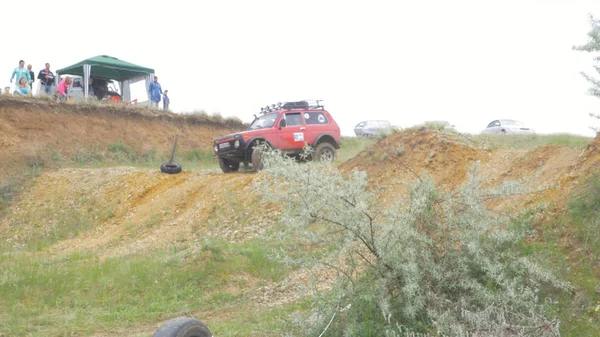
x=288 y=127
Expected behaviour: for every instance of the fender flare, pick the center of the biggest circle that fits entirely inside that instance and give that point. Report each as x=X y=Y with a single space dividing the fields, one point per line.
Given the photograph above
x=329 y=139
x=251 y=142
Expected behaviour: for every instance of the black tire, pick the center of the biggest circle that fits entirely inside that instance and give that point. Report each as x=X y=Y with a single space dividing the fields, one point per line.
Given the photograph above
x=228 y=166
x=170 y=168
x=183 y=327
x=257 y=163
x=324 y=152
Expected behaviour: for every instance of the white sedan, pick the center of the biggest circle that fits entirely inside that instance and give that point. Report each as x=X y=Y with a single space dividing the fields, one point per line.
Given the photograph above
x=507 y=126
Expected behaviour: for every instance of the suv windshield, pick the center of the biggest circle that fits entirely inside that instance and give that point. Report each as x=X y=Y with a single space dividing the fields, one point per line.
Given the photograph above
x=263 y=122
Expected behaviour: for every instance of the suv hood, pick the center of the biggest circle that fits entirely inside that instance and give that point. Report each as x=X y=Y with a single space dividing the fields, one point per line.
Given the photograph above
x=242 y=134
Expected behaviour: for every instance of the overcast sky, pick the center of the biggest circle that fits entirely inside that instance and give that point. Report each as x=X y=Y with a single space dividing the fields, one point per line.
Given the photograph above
x=465 y=61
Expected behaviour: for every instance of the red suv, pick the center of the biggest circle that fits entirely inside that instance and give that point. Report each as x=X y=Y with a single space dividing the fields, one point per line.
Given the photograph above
x=285 y=126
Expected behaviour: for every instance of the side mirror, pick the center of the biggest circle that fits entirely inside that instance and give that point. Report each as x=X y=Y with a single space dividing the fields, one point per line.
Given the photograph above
x=282 y=124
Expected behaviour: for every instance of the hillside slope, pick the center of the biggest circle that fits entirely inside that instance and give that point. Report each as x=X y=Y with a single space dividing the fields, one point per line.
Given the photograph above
x=35 y=128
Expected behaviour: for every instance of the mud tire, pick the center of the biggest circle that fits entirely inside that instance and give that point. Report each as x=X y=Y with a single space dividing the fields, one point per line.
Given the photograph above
x=170 y=168
x=324 y=152
x=228 y=166
x=183 y=327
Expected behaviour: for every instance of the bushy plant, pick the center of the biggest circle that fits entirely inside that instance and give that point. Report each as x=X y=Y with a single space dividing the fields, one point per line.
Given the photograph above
x=434 y=263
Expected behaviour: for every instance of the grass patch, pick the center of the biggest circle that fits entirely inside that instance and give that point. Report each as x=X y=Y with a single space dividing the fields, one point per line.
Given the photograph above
x=121 y=154
x=526 y=142
x=351 y=146
x=79 y=294
x=585 y=215
x=11 y=185
x=571 y=243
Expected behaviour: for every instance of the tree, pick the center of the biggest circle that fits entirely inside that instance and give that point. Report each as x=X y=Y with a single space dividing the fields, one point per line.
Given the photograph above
x=434 y=263
x=593 y=45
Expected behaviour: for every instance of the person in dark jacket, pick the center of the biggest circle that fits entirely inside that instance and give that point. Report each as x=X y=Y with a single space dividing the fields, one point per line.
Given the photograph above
x=46 y=78
x=31 y=76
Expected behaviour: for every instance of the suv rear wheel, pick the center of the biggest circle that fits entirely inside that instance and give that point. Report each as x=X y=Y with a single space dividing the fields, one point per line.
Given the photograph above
x=324 y=152
x=228 y=166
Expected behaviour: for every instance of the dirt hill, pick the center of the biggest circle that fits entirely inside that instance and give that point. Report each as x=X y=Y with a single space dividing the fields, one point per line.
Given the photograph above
x=402 y=157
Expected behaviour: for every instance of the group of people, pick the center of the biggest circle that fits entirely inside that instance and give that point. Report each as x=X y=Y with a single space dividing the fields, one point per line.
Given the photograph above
x=154 y=95
x=24 y=79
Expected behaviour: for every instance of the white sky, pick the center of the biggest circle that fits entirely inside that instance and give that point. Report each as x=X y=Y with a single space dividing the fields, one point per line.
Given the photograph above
x=465 y=61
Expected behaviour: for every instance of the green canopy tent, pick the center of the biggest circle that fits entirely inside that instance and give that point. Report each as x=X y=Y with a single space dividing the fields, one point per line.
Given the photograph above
x=109 y=68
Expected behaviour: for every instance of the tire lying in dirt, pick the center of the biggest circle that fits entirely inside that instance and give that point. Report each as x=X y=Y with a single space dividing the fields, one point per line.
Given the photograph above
x=228 y=166
x=170 y=168
x=257 y=162
x=324 y=152
x=183 y=327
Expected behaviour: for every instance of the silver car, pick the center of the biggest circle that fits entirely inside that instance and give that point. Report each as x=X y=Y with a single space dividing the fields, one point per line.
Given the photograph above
x=507 y=126
x=373 y=128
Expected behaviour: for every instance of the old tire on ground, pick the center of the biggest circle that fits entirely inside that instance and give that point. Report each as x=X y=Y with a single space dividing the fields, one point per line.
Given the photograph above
x=170 y=168
x=257 y=163
x=183 y=327
x=228 y=166
x=324 y=152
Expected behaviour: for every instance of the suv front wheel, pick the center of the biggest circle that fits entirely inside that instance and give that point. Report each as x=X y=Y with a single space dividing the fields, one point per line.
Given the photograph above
x=324 y=152
x=228 y=166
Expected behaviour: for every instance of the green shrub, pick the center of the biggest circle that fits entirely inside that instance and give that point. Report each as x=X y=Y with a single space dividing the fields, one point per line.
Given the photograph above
x=120 y=147
x=437 y=263
x=123 y=152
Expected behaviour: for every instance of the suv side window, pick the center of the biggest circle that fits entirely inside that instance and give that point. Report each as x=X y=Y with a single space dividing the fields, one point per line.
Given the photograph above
x=293 y=119
x=315 y=118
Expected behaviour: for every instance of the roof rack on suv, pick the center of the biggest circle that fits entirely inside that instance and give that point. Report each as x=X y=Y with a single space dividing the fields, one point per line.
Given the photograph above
x=305 y=104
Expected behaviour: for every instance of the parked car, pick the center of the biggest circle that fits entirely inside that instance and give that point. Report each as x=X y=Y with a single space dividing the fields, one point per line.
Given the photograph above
x=287 y=127
x=373 y=128
x=507 y=126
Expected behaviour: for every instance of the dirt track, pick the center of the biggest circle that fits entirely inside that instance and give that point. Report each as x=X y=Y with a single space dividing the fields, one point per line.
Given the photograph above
x=144 y=209
x=135 y=210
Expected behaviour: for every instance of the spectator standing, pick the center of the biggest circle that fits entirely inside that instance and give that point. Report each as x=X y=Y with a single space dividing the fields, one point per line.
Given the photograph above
x=63 y=88
x=154 y=92
x=46 y=78
x=6 y=91
x=31 y=76
x=19 y=72
x=166 y=100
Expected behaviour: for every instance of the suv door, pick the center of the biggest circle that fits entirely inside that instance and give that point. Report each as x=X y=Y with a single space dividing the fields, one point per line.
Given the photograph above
x=290 y=131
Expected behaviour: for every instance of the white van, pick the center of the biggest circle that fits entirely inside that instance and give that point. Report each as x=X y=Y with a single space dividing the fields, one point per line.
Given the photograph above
x=100 y=89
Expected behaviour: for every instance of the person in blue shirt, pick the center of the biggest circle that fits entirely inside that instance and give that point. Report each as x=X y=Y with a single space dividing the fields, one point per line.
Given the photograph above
x=154 y=92
x=19 y=72
x=166 y=100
